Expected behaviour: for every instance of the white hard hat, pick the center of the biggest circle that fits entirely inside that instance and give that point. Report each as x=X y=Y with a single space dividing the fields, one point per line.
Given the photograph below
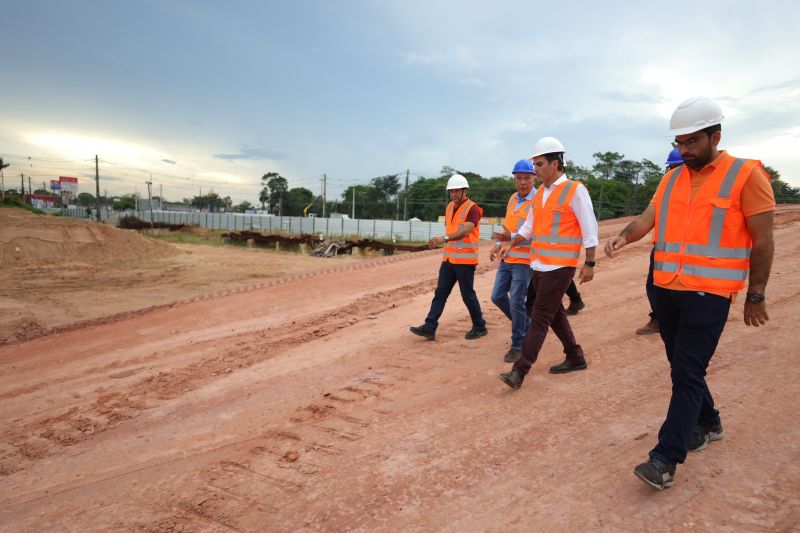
x=457 y=181
x=695 y=114
x=547 y=145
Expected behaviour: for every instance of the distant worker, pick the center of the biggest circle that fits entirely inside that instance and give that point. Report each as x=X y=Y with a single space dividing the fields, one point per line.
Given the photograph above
x=713 y=220
x=514 y=273
x=674 y=160
x=460 y=258
x=559 y=222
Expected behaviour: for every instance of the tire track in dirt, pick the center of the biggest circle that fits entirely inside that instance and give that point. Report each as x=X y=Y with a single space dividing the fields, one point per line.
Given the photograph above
x=38 y=438
x=72 y=326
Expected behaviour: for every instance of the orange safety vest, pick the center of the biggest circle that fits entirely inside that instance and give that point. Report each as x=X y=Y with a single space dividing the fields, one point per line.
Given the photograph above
x=703 y=241
x=556 y=236
x=516 y=213
x=463 y=251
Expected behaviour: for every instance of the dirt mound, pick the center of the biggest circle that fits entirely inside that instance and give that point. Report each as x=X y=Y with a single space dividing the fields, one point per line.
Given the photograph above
x=27 y=239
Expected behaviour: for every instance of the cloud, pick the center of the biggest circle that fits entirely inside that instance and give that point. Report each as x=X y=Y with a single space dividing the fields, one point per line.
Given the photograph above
x=471 y=81
x=170 y=161
x=253 y=154
x=460 y=57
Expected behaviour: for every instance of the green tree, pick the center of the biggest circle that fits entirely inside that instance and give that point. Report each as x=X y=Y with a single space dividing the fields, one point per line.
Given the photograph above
x=784 y=193
x=295 y=200
x=124 y=203
x=604 y=167
x=243 y=207
x=86 y=199
x=273 y=187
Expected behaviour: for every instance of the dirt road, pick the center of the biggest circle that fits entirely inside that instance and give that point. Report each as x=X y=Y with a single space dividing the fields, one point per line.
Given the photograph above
x=307 y=405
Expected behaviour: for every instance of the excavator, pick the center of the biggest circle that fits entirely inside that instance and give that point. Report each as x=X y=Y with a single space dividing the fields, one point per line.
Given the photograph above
x=305 y=210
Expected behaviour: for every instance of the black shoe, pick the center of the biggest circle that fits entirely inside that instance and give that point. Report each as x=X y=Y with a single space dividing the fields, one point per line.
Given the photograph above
x=422 y=331
x=513 y=379
x=574 y=307
x=513 y=355
x=567 y=366
x=649 y=328
x=656 y=473
x=475 y=333
x=702 y=435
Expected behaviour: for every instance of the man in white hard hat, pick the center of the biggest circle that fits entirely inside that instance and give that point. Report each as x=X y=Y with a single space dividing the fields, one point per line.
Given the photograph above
x=560 y=221
x=713 y=219
x=514 y=273
x=459 y=260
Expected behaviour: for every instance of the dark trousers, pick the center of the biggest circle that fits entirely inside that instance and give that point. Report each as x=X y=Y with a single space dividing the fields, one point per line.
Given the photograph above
x=549 y=313
x=448 y=275
x=690 y=324
x=572 y=292
x=650 y=288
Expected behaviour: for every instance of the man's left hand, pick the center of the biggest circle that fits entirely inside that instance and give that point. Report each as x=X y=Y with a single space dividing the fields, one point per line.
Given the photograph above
x=586 y=274
x=755 y=314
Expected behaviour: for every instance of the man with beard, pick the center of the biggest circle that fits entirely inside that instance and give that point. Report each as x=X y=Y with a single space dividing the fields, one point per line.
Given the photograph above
x=713 y=221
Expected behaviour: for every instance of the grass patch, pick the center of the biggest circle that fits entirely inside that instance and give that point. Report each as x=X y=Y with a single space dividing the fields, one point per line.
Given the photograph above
x=10 y=201
x=209 y=238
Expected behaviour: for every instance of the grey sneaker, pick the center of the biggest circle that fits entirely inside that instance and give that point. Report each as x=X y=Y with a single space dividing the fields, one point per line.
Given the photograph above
x=702 y=435
x=656 y=473
x=513 y=355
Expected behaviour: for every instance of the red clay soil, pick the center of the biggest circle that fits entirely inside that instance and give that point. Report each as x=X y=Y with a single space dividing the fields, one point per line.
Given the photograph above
x=305 y=404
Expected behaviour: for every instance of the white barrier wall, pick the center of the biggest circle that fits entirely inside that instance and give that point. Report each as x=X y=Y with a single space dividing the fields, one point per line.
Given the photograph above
x=368 y=228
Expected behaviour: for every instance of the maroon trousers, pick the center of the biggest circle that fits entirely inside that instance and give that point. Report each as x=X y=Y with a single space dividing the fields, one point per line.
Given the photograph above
x=548 y=313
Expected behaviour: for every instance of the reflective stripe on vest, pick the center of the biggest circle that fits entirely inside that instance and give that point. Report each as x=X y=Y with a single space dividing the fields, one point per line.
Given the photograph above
x=689 y=253
x=464 y=250
x=565 y=244
x=516 y=213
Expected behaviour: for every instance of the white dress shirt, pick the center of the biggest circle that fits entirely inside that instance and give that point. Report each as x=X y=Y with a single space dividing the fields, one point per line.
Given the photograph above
x=581 y=205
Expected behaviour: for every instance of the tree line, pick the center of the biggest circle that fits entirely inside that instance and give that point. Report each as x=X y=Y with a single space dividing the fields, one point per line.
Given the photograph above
x=617 y=185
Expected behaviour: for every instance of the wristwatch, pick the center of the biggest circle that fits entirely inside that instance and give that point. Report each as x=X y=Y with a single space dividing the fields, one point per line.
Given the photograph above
x=589 y=263
x=446 y=238
x=755 y=298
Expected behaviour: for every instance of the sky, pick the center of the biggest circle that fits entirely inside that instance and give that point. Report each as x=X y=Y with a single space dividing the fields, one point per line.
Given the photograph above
x=202 y=96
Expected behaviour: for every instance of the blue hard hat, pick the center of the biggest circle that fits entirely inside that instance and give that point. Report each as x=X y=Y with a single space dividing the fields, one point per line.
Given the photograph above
x=524 y=165
x=674 y=158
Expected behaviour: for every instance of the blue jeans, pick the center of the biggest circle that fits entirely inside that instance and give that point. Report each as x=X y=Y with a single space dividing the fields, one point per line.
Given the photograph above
x=448 y=275
x=508 y=294
x=690 y=324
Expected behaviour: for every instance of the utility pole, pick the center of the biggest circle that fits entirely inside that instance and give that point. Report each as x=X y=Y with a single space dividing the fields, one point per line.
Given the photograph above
x=30 y=189
x=280 y=204
x=22 y=178
x=354 y=202
x=150 y=200
x=160 y=196
x=97 y=183
x=324 y=191
x=3 y=179
x=405 y=199
x=397 y=207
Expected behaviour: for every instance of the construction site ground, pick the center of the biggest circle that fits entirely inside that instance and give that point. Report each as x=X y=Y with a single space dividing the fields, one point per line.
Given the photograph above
x=151 y=387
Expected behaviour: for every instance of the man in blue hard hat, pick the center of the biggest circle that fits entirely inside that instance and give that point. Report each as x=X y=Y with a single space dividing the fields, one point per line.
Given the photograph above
x=674 y=159
x=514 y=273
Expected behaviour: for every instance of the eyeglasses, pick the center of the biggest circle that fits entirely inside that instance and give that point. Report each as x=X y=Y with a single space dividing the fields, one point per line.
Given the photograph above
x=688 y=143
